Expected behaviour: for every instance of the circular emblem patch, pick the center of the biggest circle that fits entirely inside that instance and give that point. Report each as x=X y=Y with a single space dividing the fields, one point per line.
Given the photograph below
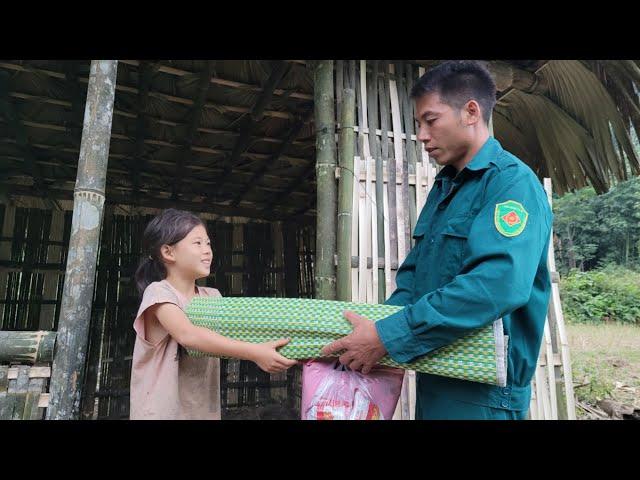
x=510 y=218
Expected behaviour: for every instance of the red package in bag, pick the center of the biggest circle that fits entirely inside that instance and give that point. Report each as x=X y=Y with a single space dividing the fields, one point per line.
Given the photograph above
x=332 y=392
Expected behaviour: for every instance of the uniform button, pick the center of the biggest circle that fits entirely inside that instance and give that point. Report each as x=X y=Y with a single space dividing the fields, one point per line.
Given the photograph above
x=506 y=391
x=505 y=404
x=432 y=240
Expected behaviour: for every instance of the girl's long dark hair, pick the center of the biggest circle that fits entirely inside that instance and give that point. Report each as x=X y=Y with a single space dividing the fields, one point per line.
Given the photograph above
x=167 y=228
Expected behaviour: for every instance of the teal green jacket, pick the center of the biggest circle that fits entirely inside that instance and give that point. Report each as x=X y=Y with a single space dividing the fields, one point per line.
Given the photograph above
x=480 y=254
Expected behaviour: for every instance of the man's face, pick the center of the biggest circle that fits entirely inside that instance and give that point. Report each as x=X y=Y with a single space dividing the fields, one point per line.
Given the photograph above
x=441 y=130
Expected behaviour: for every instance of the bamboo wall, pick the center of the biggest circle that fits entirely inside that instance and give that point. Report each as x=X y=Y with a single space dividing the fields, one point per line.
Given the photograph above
x=392 y=177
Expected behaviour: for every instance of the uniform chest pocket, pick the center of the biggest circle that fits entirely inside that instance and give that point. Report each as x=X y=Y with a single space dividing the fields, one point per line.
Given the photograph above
x=454 y=239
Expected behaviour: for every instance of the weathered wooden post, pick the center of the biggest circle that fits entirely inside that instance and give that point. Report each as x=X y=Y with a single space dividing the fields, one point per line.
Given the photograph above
x=325 y=276
x=89 y=196
x=345 y=197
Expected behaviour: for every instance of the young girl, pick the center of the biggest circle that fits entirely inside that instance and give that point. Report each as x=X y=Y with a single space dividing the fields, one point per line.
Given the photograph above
x=166 y=383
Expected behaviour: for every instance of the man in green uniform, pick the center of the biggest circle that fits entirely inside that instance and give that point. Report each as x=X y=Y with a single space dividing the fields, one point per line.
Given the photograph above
x=480 y=254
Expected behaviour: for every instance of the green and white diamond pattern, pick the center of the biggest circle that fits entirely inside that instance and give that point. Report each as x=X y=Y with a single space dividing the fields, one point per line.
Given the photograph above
x=312 y=324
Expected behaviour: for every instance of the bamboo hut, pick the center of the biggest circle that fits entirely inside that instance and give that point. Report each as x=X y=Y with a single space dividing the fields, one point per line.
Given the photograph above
x=308 y=175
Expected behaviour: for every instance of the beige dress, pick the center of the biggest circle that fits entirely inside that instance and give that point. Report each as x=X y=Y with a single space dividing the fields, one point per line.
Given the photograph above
x=163 y=385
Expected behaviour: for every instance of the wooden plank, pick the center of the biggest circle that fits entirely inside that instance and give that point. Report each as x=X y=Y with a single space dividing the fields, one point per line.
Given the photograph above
x=557 y=318
x=399 y=161
x=33 y=372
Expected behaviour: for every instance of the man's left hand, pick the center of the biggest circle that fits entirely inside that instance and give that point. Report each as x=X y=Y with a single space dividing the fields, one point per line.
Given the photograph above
x=363 y=346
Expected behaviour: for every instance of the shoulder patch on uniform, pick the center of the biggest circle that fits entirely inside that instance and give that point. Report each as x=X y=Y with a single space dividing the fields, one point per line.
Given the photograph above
x=510 y=218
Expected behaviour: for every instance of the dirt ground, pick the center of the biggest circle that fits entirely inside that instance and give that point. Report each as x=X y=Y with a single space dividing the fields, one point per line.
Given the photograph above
x=605 y=360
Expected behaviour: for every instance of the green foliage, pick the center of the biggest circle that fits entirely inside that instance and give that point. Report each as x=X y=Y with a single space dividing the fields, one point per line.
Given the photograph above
x=611 y=294
x=596 y=230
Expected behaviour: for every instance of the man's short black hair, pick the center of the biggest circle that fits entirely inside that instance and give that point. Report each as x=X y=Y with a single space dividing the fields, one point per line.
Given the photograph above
x=457 y=82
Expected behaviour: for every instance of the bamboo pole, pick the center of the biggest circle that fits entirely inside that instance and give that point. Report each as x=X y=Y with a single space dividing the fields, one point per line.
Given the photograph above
x=345 y=195
x=325 y=276
x=75 y=315
x=27 y=347
x=350 y=82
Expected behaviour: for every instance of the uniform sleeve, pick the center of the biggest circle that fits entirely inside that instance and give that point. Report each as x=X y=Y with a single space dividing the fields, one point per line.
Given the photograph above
x=496 y=278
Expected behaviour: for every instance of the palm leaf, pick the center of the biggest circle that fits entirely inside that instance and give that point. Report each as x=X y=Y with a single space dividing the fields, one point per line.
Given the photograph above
x=580 y=130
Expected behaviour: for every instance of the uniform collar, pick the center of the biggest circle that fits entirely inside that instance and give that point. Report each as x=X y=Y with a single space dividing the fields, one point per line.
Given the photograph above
x=480 y=161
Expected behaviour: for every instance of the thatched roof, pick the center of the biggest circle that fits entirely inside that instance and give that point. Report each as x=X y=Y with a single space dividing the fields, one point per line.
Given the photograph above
x=237 y=137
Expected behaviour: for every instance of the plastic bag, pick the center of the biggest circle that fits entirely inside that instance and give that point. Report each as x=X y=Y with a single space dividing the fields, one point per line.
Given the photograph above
x=332 y=392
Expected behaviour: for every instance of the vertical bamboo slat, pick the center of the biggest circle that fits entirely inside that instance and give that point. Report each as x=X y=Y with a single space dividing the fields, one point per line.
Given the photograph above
x=401 y=200
x=374 y=236
x=5 y=254
x=368 y=253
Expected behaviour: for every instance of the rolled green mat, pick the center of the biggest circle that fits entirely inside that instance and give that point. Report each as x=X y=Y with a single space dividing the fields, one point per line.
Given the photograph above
x=311 y=324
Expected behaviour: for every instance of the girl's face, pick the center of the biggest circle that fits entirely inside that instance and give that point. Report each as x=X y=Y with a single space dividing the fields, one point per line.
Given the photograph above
x=192 y=255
